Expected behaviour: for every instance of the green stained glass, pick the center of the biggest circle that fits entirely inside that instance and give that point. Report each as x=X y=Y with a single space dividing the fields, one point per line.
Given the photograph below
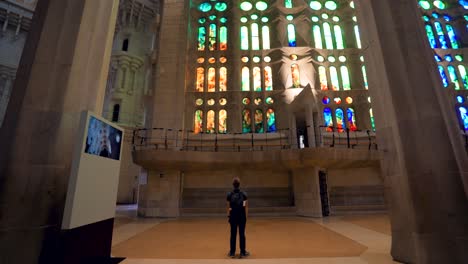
x=336 y=19
x=201 y=38
x=331 y=5
x=463 y=75
x=246 y=6
x=265 y=37
x=324 y=16
x=338 y=37
x=246 y=121
x=331 y=59
x=255 y=37
x=264 y=19
x=364 y=76
x=430 y=36
x=289 y=17
x=315 y=19
x=291 y=35
x=245 y=79
x=328 y=35
x=259 y=121
x=317 y=37
x=439 y=4
x=425 y=5
x=371 y=114
x=220 y=6
x=426 y=18
x=466 y=17
x=358 y=36
x=243 y=19
x=254 y=16
x=223 y=20
x=288 y=3
x=205 y=7
x=315 y=5
x=212 y=37
x=223 y=38
x=345 y=78
x=212 y=17
x=198 y=122
x=244 y=38
x=453 y=76
x=441 y=35
x=261 y=5
x=334 y=78
x=202 y=20
x=271 y=121
x=459 y=57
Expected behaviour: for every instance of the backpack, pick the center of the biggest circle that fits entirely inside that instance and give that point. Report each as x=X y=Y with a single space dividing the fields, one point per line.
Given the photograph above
x=237 y=201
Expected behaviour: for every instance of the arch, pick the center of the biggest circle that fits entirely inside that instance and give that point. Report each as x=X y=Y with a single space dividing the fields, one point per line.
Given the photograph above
x=245 y=79
x=351 y=119
x=323 y=78
x=246 y=121
x=328 y=35
x=271 y=121
x=265 y=37
x=116 y=113
x=345 y=78
x=210 y=122
x=340 y=123
x=255 y=36
x=244 y=36
x=198 y=122
x=296 y=76
x=338 y=37
x=223 y=38
x=222 y=121
x=259 y=121
x=200 y=79
x=317 y=36
x=334 y=78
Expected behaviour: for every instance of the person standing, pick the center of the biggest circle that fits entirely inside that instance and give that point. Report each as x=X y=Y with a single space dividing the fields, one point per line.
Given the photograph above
x=237 y=211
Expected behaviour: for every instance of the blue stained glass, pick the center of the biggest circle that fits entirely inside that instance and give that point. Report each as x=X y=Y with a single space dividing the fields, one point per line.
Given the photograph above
x=435 y=15
x=464 y=3
x=205 y=7
x=460 y=99
x=437 y=58
x=447 y=17
x=452 y=36
x=440 y=33
x=271 y=121
x=291 y=35
x=464 y=117
x=453 y=76
x=443 y=76
x=448 y=58
x=327 y=117
x=426 y=18
x=430 y=36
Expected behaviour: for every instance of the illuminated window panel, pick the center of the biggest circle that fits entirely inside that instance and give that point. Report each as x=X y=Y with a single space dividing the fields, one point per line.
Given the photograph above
x=265 y=37
x=464 y=117
x=443 y=76
x=200 y=79
x=323 y=78
x=358 y=36
x=291 y=35
x=296 y=77
x=246 y=121
x=222 y=79
x=212 y=37
x=430 y=36
x=453 y=76
x=259 y=121
x=220 y=6
x=244 y=38
x=351 y=118
x=271 y=121
x=198 y=121
x=257 y=79
x=210 y=122
x=441 y=35
x=268 y=79
x=222 y=121
x=255 y=37
x=371 y=114
x=246 y=6
x=328 y=36
x=205 y=7
x=245 y=79
x=223 y=38
x=328 y=118
x=211 y=79
x=340 y=124
x=288 y=4
x=338 y=37
x=201 y=38
x=345 y=78
x=364 y=76
x=452 y=37
x=463 y=75
x=317 y=37
x=334 y=79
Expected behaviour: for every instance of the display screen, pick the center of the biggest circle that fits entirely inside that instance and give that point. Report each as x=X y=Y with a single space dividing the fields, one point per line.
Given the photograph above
x=103 y=140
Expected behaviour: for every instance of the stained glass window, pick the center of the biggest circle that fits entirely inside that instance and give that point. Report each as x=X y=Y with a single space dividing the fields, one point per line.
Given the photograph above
x=323 y=78
x=211 y=79
x=443 y=76
x=244 y=38
x=261 y=5
x=288 y=3
x=257 y=79
x=223 y=38
x=345 y=78
x=246 y=6
x=338 y=37
x=291 y=35
x=198 y=127
x=246 y=121
x=430 y=36
x=200 y=79
x=222 y=79
x=317 y=37
x=371 y=114
x=334 y=79
x=210 y=122
x=265 y=37
x=351 y=118
x=245 y=79
x=255 y=37
x=212 y=37
x=201 y=38
x=222 y=121
x=328 y=35
x=331 y=5
x=268 y=79
x=452 y=37
x=364 y=76
x=328 y=118
x=463 y=75
x=259 y=121
x=271 y=121
x=453 y=76
x=464 y=117
x=205 y=7
x=296 y=77
x=340 y=125
x=358 y=36
x=220 y=6
x=441 y=35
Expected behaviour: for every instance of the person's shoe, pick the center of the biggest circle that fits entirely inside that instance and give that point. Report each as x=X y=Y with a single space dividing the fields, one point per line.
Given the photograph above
x=231 y=255
x=245 y=254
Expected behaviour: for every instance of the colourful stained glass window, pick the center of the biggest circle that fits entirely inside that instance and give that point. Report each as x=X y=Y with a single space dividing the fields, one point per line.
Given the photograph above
x=453 y=76
x=268 y=79
x=211 y=79
x=351 y=118
x=246 y=101
x=205 y=7
x=443 y=76
x=325 y=100
x=439 y=4
x=246 y=121
x=269 y=100
x=255 y=37
x=245 y=79
x=345 y=78
x=463 y=117
x=220 y=6
x=261 y=5
x=334 y=79
x=222 y=121
x=257 y=79
x=452 y=37
x=340 y=124
x=425 y=4
x=358 y=36
x=212 y=37
x=200 y=79
x=271 y=121
x=338 y=37
x=296 y=77
x=317 y=37
x=259 y=121
x=291 y=35
x=265 y=37
x=210 y=122
x=460 y=99
x=323 y=78
x=246 y=6
x=331 y=5
x=441 y=35
x=201 y=38
x=328 y=35
x=222 y=79
x=244 y=38
x=223 y=38
x=198 y=127
x=288 y=3
x=371 y=114
x=430 y=36
x=364 y=76
x=328 y=118
x=463 y=75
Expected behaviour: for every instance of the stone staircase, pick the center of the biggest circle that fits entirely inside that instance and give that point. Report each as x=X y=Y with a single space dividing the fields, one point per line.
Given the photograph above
x=346 y=200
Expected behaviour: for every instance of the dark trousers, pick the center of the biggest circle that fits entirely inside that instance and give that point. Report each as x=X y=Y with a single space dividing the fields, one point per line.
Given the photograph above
x=234 y=226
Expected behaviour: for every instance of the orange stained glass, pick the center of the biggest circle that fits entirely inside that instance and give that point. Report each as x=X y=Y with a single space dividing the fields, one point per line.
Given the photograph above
x=210 y=121
x=268 y=79
x=222 y=79
x=200 y=79
x=257 y=78
x=296 y=78
x=211 y=79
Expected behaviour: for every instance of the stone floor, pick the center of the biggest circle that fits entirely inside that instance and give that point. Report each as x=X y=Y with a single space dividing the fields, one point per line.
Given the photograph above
x=332 y=240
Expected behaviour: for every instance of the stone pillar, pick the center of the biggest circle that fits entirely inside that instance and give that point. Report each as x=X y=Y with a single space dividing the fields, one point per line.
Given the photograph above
x=63 y=71
x=424 y=163
x=160 y=197
x=307 y=192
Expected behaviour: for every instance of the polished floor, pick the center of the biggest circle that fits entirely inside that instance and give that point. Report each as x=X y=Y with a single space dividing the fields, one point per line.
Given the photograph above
x=295 y=240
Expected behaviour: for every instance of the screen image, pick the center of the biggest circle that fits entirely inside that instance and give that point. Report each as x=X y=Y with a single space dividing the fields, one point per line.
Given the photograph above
x=103 y=140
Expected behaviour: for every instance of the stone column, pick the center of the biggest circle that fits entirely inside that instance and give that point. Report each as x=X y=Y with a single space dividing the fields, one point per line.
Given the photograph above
x=424 y=163
x=63 y=71
x=307 y=192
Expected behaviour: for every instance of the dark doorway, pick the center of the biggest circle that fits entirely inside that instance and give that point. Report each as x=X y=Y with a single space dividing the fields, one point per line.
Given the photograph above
x=324 y=193
x=301 y=129
x=116 y=113
x=125 y=45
